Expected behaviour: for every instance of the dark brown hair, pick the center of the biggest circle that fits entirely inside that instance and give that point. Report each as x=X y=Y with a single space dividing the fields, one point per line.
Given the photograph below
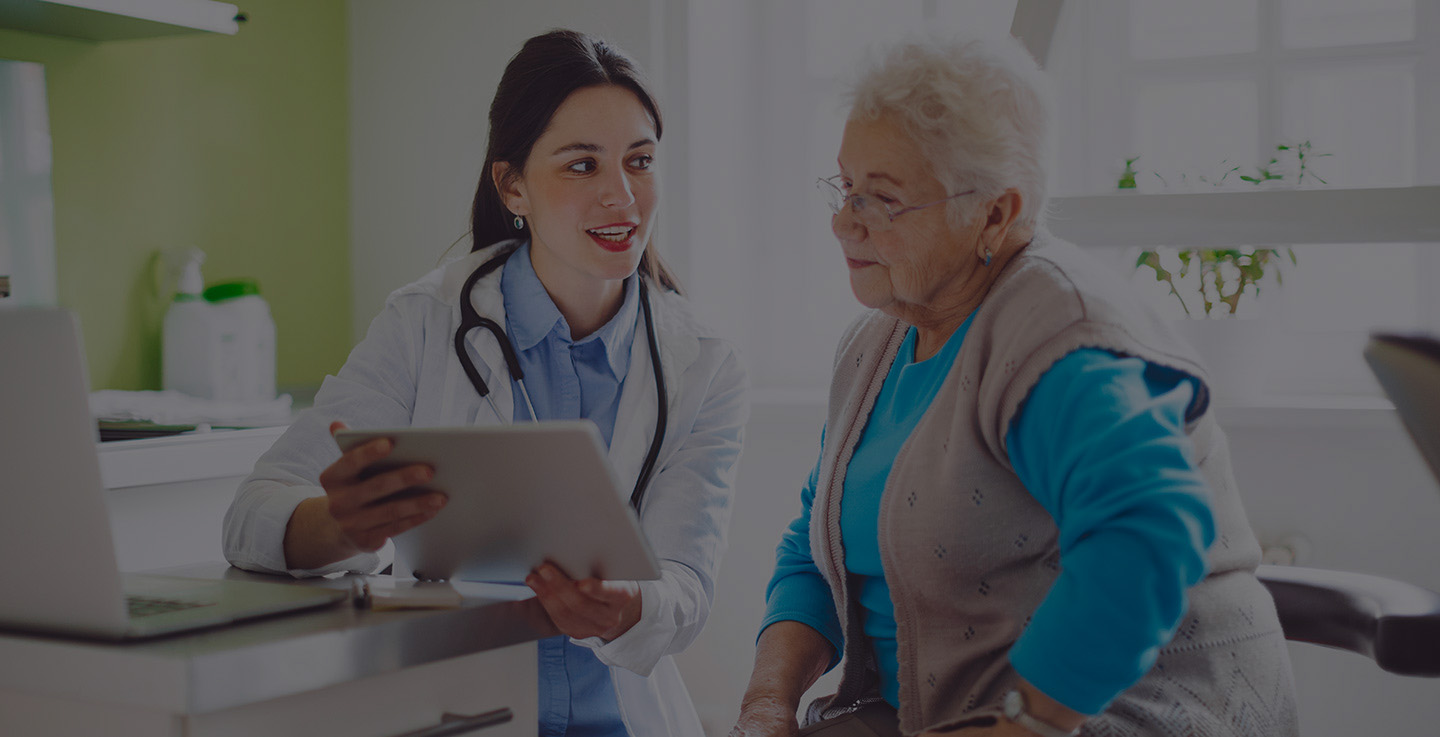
x=538 y=79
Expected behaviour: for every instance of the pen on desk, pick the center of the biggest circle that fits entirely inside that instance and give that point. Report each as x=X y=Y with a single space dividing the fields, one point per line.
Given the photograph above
x=360 y=593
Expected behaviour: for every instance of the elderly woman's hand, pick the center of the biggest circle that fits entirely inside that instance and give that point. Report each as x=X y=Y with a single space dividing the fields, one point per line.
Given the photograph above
x=1001 y=728
x=766 y=717
x=586 y=608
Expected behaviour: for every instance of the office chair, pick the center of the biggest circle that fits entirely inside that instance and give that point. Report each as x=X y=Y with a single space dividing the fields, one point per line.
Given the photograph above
x=1393 y=623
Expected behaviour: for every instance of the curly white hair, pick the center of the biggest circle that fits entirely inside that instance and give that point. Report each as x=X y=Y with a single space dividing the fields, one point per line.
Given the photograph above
x=980 y=110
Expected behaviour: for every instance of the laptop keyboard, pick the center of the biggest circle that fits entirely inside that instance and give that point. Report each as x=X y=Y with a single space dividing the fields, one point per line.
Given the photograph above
x=144 y=606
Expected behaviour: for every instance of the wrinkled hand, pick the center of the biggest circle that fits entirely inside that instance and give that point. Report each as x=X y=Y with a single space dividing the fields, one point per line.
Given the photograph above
x=364 y=524
x=766 y=717
x=1002 y=728
x=586 y=608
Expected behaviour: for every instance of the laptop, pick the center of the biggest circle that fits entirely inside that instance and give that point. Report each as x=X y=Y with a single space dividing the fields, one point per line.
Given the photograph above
x=58 y=572
x=1408 y=368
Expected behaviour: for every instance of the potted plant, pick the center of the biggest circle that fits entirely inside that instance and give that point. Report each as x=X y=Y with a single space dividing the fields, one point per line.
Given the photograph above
x=1225 y=283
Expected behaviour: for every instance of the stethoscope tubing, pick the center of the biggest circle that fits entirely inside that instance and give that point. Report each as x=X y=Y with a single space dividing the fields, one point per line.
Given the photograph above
x=470 y=319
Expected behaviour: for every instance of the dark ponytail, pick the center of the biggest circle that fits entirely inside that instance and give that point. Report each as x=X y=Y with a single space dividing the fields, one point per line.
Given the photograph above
x=538 y=79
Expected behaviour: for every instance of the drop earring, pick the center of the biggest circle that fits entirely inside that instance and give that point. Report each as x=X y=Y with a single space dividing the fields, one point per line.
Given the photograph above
x=519 y=223
x=987 y=256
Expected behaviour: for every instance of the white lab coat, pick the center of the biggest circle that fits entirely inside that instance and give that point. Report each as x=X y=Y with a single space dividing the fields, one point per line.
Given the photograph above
x=405 y=373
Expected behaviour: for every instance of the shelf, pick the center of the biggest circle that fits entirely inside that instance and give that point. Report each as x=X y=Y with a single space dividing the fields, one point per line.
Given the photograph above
x=1265 y=217
x=115 y=20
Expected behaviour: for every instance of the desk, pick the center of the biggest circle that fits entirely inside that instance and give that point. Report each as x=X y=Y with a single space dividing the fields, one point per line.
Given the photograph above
x=337 y=671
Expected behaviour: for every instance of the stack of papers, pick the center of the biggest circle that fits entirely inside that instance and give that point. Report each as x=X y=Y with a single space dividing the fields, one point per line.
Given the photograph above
x=175 y=408
x=382 y=593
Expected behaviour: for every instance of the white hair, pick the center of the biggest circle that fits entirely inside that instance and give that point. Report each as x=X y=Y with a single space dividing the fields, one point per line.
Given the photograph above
x=979 y=109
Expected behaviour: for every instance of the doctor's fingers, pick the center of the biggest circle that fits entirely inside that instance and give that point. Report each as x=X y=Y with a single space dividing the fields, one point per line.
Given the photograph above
x=586 y=621
x=350 y=463
x=347 y=497
x=368 y=528
x=562 y=595
x=607 y=593
x=372 y=539
x=618 y=593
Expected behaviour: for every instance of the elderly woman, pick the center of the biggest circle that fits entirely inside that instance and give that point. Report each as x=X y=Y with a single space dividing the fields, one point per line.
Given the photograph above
x=1023 y=520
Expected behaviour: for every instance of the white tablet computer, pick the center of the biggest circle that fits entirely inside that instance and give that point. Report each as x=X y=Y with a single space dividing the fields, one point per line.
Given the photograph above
x=519 y=495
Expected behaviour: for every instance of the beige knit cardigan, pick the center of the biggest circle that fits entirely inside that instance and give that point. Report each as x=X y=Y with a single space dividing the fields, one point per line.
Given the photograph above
x=969 y=554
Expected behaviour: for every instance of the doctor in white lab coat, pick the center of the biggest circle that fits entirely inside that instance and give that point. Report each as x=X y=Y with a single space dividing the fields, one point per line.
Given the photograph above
x=587 y=167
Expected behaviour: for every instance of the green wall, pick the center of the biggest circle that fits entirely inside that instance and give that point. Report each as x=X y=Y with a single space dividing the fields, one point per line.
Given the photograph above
x=237 y=145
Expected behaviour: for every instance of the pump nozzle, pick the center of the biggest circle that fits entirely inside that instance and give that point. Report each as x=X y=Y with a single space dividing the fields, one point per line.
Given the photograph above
x=185 y=269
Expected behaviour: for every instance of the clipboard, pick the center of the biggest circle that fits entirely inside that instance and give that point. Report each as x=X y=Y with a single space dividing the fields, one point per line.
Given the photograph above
x=519 y=495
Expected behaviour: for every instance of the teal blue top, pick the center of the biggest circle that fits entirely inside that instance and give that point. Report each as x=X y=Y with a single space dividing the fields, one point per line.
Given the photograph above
x=1100 y=443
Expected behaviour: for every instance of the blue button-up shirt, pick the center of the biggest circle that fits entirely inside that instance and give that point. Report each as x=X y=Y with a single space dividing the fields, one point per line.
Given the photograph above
x=568 y=380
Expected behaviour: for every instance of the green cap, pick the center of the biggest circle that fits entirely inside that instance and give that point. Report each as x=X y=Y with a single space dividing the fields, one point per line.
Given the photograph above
x=231 y=290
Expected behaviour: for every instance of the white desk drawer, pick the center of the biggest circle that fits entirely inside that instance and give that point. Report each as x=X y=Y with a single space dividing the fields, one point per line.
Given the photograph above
x=380 y=706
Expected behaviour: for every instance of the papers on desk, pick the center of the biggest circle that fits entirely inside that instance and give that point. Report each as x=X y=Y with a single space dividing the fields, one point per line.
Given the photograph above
x=384 y=593
x=174 y=408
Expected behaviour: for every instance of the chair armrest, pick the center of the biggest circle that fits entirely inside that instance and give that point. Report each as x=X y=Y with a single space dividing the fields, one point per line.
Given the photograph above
x=1396 y=624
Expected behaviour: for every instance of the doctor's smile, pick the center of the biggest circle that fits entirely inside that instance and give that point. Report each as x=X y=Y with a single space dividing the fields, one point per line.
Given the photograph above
x=617 y=237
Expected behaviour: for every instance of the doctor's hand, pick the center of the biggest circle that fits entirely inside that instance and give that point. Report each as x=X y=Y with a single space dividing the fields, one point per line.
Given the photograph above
x=354 y=501
x=586 y=608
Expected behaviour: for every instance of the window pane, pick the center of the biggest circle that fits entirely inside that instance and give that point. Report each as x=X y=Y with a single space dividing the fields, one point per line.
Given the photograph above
x=29 y=81
x=975 y=16
x=1170 y=29
x=1188 y=129
x=1328 y=305
x=1346 y=286
x=1364 y=115
x=838 y=31
x=1311 y=23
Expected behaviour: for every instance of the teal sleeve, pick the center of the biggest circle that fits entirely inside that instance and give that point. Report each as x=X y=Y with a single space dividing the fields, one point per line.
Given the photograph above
x=797 y=592
x=1100 y=443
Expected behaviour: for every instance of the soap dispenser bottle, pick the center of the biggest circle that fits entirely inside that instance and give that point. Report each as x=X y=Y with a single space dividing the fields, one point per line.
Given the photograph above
x=190 y=349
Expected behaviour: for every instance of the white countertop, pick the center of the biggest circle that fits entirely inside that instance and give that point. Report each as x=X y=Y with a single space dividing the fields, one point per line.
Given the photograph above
x=267 y=658
x=185 y=457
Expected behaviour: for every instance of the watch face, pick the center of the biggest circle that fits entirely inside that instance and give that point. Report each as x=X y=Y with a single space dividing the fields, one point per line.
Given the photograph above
x=1014 y=704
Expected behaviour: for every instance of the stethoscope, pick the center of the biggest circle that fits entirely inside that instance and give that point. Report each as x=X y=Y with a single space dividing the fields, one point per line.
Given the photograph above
x=470 y=319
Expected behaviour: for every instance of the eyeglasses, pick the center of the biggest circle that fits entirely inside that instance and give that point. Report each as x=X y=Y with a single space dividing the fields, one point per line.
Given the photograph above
x=874 y=215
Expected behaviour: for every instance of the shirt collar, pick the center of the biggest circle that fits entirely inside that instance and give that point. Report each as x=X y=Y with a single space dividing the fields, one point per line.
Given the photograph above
x=531 y=315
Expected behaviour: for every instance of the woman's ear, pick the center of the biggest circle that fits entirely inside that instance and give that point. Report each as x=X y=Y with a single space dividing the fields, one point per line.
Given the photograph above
x=510 y=187
x=999 y=221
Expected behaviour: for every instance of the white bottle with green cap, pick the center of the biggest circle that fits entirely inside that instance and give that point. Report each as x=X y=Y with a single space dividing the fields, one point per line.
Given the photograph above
x=190 y=342
x=246 y=359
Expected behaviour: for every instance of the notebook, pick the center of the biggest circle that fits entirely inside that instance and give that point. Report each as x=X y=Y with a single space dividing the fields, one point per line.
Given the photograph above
x=1408 y=367
x=58 y=571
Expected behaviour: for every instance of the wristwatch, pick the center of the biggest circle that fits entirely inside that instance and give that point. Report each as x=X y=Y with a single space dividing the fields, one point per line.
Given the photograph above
x=1014 y=710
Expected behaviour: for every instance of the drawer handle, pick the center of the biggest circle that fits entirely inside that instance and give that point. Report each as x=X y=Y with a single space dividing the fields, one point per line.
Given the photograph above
x=456 y=724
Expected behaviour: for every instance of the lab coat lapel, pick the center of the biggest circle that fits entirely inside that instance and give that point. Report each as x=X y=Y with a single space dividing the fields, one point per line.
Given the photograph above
x=635 y=418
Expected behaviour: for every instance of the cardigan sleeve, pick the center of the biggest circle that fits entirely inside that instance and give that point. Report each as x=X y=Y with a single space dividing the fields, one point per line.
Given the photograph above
x=1100 y=443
